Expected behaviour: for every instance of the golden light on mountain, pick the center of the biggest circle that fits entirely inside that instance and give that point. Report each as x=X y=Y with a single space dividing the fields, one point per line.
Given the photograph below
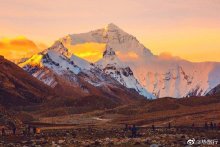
x=35 y=60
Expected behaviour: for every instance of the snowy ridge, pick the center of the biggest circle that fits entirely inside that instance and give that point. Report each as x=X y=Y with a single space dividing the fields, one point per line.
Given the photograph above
x=179 y=78
x=83 y=64
x=112 y=66
x=55 y=59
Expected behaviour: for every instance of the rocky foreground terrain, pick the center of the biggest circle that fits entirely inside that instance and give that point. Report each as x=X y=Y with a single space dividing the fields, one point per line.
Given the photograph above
x=107 y=127
x=114 y=136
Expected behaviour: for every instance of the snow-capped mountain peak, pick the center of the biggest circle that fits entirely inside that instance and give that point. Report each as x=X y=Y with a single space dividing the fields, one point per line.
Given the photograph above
x=134 y=66
x=123 y=43
x=112 y=27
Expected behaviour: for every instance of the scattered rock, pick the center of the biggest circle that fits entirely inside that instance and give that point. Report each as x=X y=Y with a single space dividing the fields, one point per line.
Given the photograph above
x=61 y=141
x=154 y=145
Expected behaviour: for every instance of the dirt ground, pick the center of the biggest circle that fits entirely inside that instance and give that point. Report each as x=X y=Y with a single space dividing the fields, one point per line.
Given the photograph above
x=187 y=118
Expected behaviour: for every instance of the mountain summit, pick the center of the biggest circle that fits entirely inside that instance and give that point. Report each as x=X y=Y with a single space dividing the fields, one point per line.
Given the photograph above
x=111 y=27
x=114 y=37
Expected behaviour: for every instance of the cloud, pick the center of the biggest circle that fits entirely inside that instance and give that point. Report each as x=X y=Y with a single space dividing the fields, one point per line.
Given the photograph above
x=2 y=45
x=23 y=43
x=17 y=48
x=41 y=46
x=127 y=56
x=167 y=56
x=91 y=51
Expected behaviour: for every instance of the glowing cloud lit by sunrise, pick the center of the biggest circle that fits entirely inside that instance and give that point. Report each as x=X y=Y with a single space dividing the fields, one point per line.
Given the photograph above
x=91 y=52
x=19 y=47
x=127 y=56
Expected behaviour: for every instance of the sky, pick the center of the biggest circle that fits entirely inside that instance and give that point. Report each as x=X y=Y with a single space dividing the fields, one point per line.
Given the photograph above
x=189 y=29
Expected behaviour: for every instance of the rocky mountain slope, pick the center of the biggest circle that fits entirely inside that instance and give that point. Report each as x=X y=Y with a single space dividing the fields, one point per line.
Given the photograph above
x=163 y=77
x=18 y=88
x=215 y=91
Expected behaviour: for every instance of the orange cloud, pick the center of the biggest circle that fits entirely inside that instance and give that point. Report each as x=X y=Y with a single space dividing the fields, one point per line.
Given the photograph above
x=41 y=46
x=93 y=51
x=17 y=48
x=89 y=51
x=2 y=45
x=22 y=43
x=127 y=56
x=167 y=56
